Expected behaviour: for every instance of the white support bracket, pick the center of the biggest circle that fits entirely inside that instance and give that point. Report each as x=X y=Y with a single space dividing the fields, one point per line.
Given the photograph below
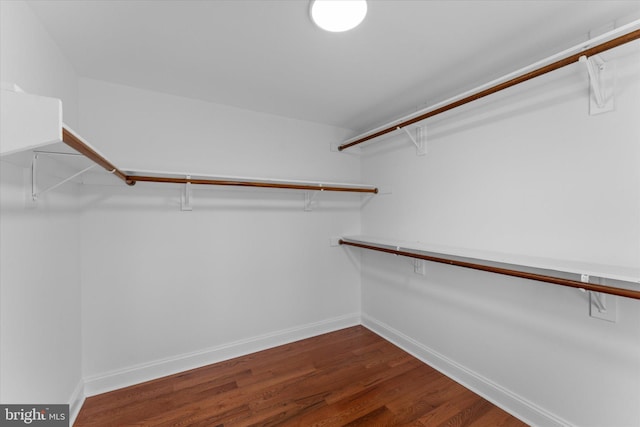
x=601 y=305
x=185 y=199
x=599 y=300
x=420 y=140
x=34 y=179
x=309 y=198
x=366 y=198
x=601 y=79
x=383 y=190
x=419 y=265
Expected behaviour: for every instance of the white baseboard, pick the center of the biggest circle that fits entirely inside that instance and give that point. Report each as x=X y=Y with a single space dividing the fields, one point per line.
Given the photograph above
x=75 y=402
x=499 y=396
x=494 y=393
x=160 y=368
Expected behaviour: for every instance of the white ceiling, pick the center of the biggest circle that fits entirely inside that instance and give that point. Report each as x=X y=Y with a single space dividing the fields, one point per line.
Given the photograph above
x=267 y=55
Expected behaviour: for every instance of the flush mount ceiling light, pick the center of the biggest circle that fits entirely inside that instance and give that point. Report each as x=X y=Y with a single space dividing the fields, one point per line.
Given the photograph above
x=338 y=15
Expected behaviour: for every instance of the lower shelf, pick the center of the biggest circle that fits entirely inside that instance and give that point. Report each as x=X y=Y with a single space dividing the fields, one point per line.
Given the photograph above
x=499 y=264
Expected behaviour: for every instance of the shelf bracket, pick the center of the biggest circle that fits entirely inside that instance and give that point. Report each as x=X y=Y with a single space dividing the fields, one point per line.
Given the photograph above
x=309 y=198
x=599 y=300
x=420 y=140
x=185 y=199
x=34 y=179
x=601 y=305
x=600 y=84
x=365 y=200
x=596 y=299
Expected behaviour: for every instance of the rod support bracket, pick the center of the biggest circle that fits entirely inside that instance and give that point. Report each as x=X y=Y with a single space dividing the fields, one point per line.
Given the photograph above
x=186 y=196
x=601 y=305
x=600 y=84
x=420 y=140
x=34 y=178
x=599 y=300
x=309 y=199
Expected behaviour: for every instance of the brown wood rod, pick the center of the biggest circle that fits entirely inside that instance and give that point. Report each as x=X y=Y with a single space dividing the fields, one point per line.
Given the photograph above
x=197 y=181
x=80 y=146
x=77 y=144
x=618 y=41
x=628 y=293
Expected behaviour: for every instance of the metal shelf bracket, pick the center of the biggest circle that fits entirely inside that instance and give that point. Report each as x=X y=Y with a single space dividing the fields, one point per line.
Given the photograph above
x=34 y=179
x=309 y=198
x=599 y=300
x=601 y=305
x=420 y=140
x=600 y=83
x=185 y=199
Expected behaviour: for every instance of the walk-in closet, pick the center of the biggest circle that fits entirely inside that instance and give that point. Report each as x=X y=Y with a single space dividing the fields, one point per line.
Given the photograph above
x=218 y=212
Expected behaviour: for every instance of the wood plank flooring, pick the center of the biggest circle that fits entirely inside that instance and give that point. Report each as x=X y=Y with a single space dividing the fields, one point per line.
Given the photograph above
x=350 y=377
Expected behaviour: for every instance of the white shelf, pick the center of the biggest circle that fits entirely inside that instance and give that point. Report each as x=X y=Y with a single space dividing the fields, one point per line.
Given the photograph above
x=31 y=123
x=628 y=274
x=132 y=172
x=28 y=121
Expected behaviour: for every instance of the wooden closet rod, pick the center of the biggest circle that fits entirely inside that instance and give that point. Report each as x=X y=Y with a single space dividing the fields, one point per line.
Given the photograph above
x=618 y=41
x=80 y=146
x=628 y=293
x=75 y=142
x=290 y=186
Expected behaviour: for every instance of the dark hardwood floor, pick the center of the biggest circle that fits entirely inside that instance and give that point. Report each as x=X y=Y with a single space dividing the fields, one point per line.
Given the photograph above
x=351 y=377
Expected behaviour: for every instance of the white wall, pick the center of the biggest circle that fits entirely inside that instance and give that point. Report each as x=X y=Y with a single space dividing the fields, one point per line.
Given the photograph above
x=40 y=351
x=529 y=172
x=40 y=293
x=164 y=290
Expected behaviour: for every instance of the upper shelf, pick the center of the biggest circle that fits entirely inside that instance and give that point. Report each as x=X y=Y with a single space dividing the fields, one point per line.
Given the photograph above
x=30 y=122
x=583 y=51
x=237 y=181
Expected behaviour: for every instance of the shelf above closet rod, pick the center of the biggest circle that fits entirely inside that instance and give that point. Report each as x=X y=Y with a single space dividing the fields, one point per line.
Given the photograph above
x=290 y=185
x=537 y=69
x=628 y=293
x=130 y=177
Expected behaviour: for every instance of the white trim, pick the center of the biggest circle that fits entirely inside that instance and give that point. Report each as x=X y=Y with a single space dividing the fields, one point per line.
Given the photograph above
x=76 y=401
x=136 y=374
x=494 y=393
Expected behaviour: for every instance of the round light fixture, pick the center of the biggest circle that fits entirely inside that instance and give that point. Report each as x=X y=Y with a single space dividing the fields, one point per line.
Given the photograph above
x=338 y=15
